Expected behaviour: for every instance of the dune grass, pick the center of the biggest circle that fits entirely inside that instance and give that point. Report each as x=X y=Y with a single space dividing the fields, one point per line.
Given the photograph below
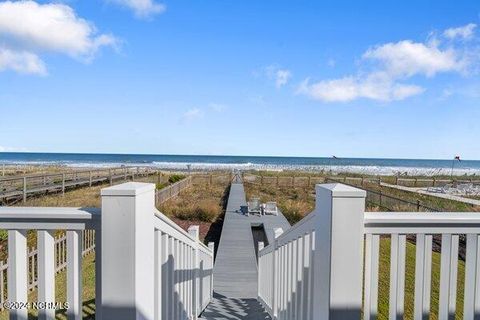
x=199 y=202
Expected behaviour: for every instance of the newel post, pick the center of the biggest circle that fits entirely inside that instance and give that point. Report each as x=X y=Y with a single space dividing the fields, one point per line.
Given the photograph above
x=127 y=259
x=194 y=232
x=338 y=255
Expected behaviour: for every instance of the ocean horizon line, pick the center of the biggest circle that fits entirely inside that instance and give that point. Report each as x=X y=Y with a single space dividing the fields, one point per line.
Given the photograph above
x=335 y=157
x=370 y=166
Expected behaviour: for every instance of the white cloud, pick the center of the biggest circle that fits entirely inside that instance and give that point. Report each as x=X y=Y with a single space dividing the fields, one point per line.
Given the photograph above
x=375 y=87
x=278 y=75
x=21 y=62
x=407 y=58
x=192 y=114
x=464 y=32
x=386 y=67
x=33 y=28
x=282 y=77
x=142 y=8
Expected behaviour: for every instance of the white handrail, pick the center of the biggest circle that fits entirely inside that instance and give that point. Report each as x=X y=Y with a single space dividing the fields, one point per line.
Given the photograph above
x=47 y=213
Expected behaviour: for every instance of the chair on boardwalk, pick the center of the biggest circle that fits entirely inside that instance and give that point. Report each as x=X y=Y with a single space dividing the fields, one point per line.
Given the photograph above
x=254 y=206
x=270 y=208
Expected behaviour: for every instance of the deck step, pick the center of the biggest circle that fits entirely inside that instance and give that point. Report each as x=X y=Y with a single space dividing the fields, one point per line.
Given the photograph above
x=234 y=309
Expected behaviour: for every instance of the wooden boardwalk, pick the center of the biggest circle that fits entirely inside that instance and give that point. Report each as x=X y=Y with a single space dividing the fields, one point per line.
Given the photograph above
x=235 y=272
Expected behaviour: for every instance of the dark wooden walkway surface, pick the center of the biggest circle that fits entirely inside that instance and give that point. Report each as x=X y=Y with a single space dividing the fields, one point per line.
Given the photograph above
x=235 y=272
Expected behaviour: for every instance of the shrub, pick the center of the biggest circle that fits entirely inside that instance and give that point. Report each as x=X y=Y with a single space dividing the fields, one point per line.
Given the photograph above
x=175 y=178
x=203 y=210
x=161 y=185
x=294 y=211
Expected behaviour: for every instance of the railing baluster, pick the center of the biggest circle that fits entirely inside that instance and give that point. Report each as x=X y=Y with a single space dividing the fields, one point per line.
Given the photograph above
x=311 y=275
x=453 y=275
x=471 y=278
x=306 y=282
x=445 y=276
x=448 y=276
x=423 y=268
x=283 y=289
x=177 y=280
x=158 y=274
x=191 y=297
x=372 y=248
x=293 y=277
x=183 y=282
x=299 y=285
x=289 y=262
x=166 y=295
x=74 y=275
x=171 y=277
x=46 y=273
x=17 y=272
x=397 y=276
x=211 y=246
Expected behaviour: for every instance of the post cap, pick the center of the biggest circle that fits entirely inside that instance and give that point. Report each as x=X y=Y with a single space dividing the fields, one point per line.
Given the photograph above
x=128 y=189
x=340 y=190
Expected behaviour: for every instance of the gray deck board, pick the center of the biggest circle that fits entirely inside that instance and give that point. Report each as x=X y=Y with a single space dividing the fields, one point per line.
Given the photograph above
x=222 y=308
x=235 y=271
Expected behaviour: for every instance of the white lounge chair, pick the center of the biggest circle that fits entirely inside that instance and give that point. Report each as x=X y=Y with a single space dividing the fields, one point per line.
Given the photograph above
x=254 y=206
x=270 y=208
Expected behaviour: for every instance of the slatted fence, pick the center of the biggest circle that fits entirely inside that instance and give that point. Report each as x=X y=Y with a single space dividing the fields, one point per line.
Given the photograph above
x=21 y=187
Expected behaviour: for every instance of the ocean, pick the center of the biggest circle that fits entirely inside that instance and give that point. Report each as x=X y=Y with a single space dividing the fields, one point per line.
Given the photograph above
x=198 y=162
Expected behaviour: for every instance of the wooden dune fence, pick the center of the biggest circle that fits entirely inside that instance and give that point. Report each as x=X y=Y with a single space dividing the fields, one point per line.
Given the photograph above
x=173 y=190
x=20 y=187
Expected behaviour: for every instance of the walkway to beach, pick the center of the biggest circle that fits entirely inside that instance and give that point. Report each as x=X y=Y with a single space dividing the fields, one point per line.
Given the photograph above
x=235 y=272
x=434 y=194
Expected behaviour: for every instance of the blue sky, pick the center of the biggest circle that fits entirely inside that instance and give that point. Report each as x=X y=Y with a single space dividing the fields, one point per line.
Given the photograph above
x=294 y=78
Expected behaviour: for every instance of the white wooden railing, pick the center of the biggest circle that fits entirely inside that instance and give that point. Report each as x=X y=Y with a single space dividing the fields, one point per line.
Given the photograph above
x=327 y=265
x=45 y=221
x=284 y=271
x=60 y=254
x=151 y=268
x=314 y=270
x=450 y=227
x=184 y=268
x=146 y=266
